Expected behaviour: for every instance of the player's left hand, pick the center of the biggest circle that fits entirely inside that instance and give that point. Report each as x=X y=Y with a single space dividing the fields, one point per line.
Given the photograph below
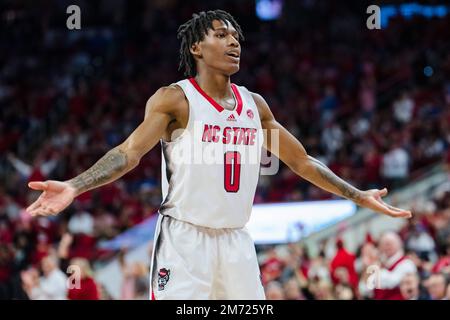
x=371 y=199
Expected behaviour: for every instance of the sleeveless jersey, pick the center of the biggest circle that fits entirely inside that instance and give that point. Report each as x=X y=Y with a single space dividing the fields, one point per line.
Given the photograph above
x=210 y=171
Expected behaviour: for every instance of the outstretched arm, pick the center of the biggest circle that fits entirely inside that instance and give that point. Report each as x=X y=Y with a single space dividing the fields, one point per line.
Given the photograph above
x=294 y=155
x=161 y=109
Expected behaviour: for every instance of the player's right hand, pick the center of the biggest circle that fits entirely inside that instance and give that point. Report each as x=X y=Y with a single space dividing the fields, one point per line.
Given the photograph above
x=55 y=197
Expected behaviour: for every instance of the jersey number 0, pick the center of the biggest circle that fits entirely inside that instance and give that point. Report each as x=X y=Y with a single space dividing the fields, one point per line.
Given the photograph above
x=232 y=172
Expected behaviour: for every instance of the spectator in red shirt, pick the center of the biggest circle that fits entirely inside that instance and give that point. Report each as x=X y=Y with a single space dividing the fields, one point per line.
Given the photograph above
x=87 y=289
x=272 y=267
x=395 y=265
x=443 y=264
x=343 y=261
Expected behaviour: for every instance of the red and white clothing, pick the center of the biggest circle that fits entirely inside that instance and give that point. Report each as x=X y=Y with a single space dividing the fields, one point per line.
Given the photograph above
x=396 y=267
x=88 y=290
x=198 y=186
x=210 y=173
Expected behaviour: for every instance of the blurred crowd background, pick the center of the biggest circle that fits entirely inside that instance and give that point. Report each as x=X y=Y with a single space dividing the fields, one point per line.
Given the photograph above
x=374 y=105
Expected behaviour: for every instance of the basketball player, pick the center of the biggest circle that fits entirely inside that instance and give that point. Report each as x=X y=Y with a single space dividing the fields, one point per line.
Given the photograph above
x=202 y=249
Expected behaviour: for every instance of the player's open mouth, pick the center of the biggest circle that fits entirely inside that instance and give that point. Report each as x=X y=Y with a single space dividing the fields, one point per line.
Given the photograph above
x=233 y=54
x=234 y=58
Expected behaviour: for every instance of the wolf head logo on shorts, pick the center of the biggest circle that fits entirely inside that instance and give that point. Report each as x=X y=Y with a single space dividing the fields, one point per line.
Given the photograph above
x=163 y=278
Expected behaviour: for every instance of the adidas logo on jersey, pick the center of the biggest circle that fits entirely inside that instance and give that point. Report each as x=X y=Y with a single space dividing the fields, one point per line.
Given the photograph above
x=231 y=118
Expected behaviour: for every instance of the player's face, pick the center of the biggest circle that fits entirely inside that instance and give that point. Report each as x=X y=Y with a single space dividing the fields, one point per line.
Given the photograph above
x=220 y=48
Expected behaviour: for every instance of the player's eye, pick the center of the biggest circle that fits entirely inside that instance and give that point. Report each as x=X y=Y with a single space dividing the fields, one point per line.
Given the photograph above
x=221 y=35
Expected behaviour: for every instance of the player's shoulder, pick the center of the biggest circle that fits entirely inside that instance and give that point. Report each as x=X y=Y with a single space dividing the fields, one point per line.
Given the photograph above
x=168 y=98
x=169 y=94
x=256 y=96
x=261 y=104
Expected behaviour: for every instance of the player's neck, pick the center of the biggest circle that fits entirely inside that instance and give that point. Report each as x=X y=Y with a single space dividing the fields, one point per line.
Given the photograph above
x=215 y=85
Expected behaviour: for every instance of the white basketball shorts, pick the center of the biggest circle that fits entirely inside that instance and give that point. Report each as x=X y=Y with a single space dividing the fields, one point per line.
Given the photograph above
x=191 y=262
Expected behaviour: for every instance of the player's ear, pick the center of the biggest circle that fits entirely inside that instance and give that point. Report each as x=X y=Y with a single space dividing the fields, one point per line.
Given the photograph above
x=195 y=50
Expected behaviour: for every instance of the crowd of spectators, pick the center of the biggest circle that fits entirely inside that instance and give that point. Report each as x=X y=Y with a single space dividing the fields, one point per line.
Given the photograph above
x=412 y=264
x=357 y=99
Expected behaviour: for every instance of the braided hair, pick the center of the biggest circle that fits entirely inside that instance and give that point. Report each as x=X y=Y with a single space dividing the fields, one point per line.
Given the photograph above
x=195 y=30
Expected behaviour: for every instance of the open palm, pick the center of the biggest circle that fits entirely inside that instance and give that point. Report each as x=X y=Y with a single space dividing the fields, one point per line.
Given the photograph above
x=55 y=197
x=372 y=200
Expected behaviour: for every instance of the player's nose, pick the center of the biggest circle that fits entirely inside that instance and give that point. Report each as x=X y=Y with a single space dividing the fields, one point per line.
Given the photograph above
x=232 y=41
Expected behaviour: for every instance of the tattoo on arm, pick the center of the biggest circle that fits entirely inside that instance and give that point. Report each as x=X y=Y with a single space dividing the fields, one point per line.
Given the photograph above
x=112 y=165
x=347 y=190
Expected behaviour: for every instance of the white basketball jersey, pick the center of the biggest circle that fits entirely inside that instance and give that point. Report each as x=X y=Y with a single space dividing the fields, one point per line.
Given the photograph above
x=210 y=171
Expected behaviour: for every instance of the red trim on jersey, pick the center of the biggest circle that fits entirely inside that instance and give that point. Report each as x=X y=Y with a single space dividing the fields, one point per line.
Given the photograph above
x=396 y=263
x=390 y=294
x=217 y=106
x=238 y=98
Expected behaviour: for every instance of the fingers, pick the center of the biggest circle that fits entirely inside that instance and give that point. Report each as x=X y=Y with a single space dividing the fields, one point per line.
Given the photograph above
x=403 y=213
x=43 y=211
x=382 y=207
x=38 y=185
x=34 y=205
x=38 y=208
x=400 y=214
x=391 y=210
x=37 y=211
x=396 y=212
